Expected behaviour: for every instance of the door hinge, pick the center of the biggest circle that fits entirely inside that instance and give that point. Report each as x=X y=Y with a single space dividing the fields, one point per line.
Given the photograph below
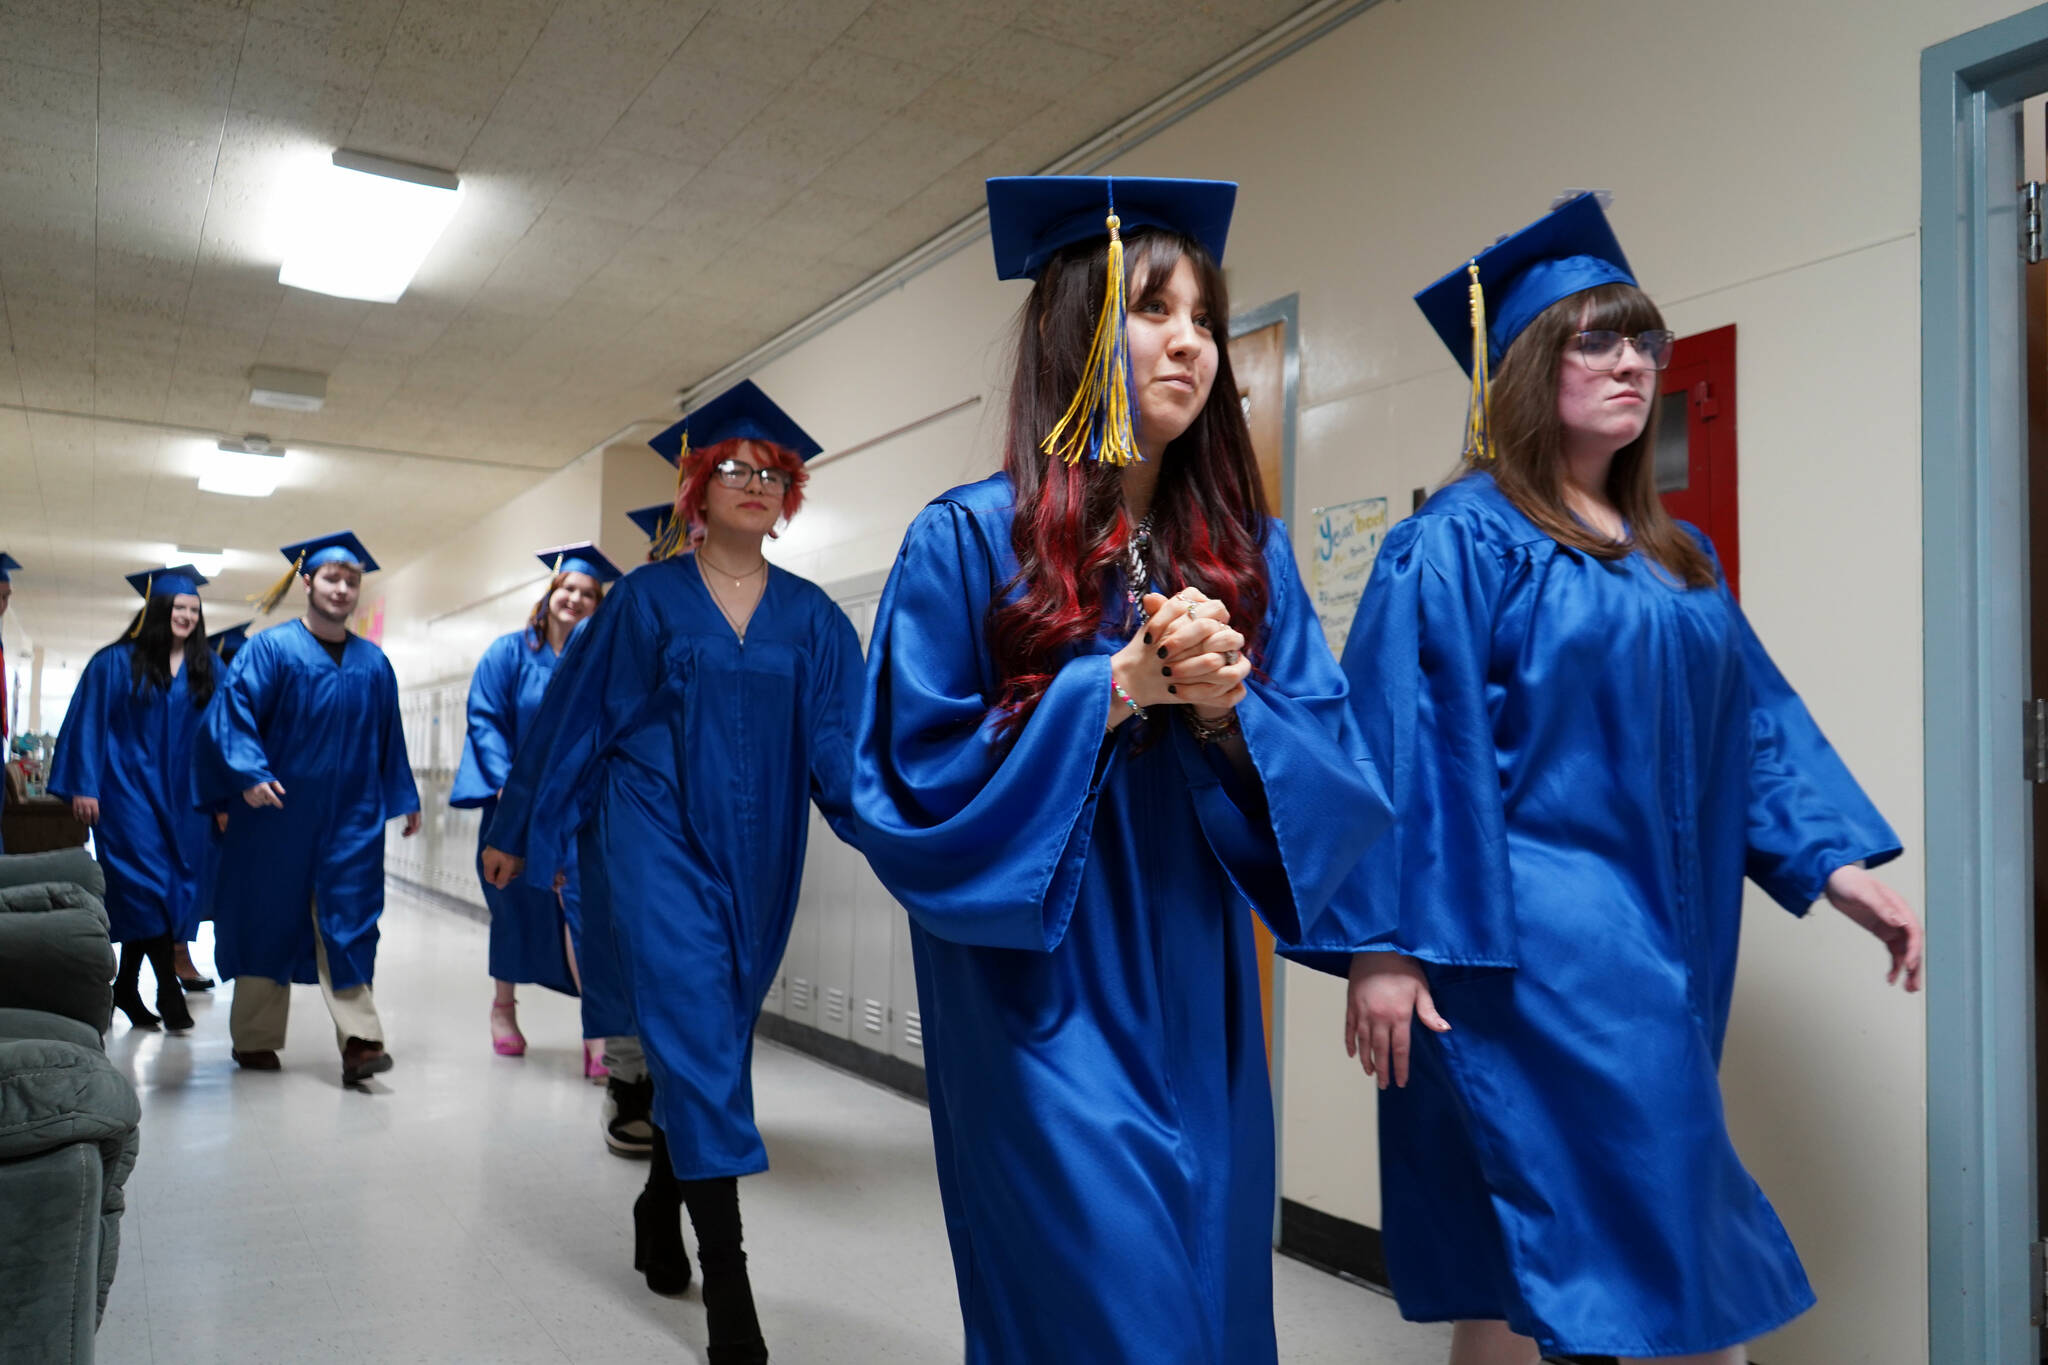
x=2034 y=746
x=2030 y=221
x=2037 y=1284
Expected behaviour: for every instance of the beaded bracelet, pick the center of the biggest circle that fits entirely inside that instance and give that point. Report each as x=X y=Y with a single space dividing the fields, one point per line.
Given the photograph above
x=1125 y=698
x=1210 y=731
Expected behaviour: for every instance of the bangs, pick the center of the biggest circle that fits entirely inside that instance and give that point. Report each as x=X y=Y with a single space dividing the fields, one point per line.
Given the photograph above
x=1150 y=257
x=1617 y=308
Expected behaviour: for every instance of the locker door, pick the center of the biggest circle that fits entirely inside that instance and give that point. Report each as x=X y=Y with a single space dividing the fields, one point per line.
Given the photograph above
x=800 y=959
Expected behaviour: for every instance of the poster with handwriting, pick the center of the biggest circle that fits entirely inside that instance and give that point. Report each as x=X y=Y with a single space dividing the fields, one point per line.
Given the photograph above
x=1348 y=537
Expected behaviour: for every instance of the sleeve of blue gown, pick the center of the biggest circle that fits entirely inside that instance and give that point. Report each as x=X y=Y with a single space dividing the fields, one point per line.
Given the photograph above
x=835 y=714
x=936 y=790
x=1807 y=815
x=227 y=754
x=1437 y=886
x=80 y=760
x=401 y=794
x=493 y=715
x=606 y=678
x=1288 y=845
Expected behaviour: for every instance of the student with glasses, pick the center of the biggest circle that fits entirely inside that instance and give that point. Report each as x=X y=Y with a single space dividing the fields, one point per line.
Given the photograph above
x=1588 y=750
x=693 y=720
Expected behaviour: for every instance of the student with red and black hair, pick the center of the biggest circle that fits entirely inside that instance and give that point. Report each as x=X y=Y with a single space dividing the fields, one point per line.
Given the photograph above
x=1102 y=719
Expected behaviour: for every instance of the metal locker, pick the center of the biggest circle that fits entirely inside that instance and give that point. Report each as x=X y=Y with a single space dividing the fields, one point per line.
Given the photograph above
x=874 y=913
x=800 y=959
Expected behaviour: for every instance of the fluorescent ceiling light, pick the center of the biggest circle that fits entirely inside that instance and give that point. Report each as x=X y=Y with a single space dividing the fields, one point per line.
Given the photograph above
x=243 y=469
x=364 y=224
x=208 y=562
x=273 y=386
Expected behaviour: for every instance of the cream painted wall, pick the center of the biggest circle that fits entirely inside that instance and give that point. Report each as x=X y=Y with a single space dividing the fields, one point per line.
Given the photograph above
x=1764 y=154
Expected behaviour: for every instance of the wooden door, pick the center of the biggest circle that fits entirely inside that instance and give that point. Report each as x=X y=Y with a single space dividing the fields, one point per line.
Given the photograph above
x=1259 y=360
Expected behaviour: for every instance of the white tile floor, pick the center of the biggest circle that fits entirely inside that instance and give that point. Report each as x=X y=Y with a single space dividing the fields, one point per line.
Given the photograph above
x=466 y=1209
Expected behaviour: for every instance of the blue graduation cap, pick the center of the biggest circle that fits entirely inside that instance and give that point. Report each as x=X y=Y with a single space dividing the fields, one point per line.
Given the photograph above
x=227 y=643
x=1030 y=217
x=652 y=519
x=8 y=564
x=168 y=582
x=1565 y=252
x=337 y=547
x=582 y=557
x=665 y=531
x=741 y=413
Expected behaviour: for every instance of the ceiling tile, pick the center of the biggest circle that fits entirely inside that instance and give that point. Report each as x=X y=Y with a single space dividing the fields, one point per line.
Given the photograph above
x=798 y=135
x=939 y=36
x=623 y=186
x=46 y=105
x=1105 y=26
x=1033 y=64
x=745 y=48
x=610 y=44
x=55 y=33
x=486 y=39
x=379 y=15
x=175 y=89
x=689 y=114
x=216 y=24
x=977 y=110
x=897 y=160
x=868 y=78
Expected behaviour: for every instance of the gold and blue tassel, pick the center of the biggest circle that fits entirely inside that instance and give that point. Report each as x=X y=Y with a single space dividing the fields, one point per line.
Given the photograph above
x=1478 y=410
x=148 y=584
x=669 y=543
x=267 y=600
x=1097 y=423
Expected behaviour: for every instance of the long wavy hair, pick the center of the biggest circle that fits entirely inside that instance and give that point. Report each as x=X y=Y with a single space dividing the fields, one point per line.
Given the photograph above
x=695 y=494
x=149 y=662
x=1528 y=438
x=537 y=621
x=1070 y=531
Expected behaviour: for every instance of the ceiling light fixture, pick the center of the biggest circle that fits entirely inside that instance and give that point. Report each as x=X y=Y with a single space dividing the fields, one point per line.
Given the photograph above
x=364 y=224
x=273 y=386
x=208 y=562
x=247 y=468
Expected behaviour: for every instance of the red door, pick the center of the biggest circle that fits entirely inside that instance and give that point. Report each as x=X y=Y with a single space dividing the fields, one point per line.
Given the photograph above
x=1695 y=442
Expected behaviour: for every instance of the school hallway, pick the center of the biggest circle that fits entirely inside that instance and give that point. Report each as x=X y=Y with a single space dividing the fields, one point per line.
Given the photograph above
x=465 y=1208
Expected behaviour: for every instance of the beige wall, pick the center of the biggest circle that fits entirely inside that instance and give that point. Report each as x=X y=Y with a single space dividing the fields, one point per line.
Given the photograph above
x=1764 y=156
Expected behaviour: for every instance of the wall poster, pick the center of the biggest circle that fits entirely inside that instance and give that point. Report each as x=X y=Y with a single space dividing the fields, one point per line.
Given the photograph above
x=1348 y=537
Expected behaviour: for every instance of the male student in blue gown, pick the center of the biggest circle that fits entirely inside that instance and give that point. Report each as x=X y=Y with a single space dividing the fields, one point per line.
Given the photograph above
x=304 y=751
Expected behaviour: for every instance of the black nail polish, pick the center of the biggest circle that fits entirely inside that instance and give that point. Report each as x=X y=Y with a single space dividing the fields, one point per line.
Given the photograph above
x=1167 y=669
x=1162 y=651
x=1148 y=637
x=1173 y=689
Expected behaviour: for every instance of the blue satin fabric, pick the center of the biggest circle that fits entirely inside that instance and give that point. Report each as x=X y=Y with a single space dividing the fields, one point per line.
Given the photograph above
x=1586 y=758
x=1086 y=974
x=687 y=759
x=131 y=749
x=526 y=920
x=286 y=712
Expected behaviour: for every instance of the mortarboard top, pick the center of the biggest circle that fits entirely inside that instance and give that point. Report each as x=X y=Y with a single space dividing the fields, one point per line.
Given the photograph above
x=653 y=519
x=8 y=564
x=338 y=547
x=582 y=557
x=168 y=582
x=741 y=413
x=1566 y=251
x=1032 y=216
x=226 y=642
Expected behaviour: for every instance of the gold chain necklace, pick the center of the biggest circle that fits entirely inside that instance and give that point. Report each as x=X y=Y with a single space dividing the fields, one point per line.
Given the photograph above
x=738 y=579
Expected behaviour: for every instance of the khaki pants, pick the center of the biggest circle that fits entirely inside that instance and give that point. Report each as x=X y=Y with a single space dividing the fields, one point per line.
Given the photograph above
x=256 y=1022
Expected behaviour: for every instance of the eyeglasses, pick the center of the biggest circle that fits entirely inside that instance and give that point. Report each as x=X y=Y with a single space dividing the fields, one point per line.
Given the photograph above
x=740 y=474
x=1602 y=350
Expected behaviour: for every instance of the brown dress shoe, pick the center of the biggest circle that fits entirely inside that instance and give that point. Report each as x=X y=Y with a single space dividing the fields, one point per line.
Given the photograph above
x=263 y=1060
x=362 y=1059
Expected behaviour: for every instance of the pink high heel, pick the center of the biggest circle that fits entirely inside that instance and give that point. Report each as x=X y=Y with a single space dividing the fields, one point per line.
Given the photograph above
x=506 y=1039
x=594 y=1069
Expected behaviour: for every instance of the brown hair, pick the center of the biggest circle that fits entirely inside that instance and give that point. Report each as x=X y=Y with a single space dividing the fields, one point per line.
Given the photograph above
x=537 y=624
x=1528 y=438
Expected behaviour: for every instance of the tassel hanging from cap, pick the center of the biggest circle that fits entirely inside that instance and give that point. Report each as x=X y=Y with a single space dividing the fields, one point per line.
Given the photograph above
x=1097 y=422
x=669 y=543
x=1478 y=411
x=143 y=615
x=266 y=601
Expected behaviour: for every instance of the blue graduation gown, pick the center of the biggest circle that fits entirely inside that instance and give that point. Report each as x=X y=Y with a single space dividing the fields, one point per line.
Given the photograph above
x=1586 y=758
x=131 y=749
x=687 y=758
x=330 y=733
x=526 y=920
x=1086 y=974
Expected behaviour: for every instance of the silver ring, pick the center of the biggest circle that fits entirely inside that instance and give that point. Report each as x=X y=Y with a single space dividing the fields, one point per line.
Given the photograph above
x=1229 y=658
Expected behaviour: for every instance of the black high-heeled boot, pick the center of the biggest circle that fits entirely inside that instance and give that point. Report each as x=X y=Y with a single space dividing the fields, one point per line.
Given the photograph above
x=127 y=994
x=658 y=1251
x=732 y=1326
x=170 y=995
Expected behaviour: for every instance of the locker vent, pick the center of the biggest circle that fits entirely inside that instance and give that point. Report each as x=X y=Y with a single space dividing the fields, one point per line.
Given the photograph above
x=799 y=993
x=873 y=1016
x=835 y=1005
x=913 y=1029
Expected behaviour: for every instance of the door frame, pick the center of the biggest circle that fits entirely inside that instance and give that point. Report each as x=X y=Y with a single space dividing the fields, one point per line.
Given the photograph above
x=1287 y=310
x=1980 y=1138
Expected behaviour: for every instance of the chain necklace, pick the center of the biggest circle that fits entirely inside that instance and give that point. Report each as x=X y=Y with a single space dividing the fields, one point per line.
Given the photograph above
x=737 y=579
x=1137 y=568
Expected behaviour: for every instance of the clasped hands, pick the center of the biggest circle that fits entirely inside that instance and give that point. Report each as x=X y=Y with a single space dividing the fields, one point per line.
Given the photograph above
x=1185 y=654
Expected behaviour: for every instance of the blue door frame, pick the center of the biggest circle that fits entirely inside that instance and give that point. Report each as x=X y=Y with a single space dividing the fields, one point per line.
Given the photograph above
x=1980 y=1138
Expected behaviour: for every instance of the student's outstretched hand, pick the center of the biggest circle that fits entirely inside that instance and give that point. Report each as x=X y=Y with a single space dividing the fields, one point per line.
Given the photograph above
x=1387 y=991
x=501 y=867
x=1885 y=913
